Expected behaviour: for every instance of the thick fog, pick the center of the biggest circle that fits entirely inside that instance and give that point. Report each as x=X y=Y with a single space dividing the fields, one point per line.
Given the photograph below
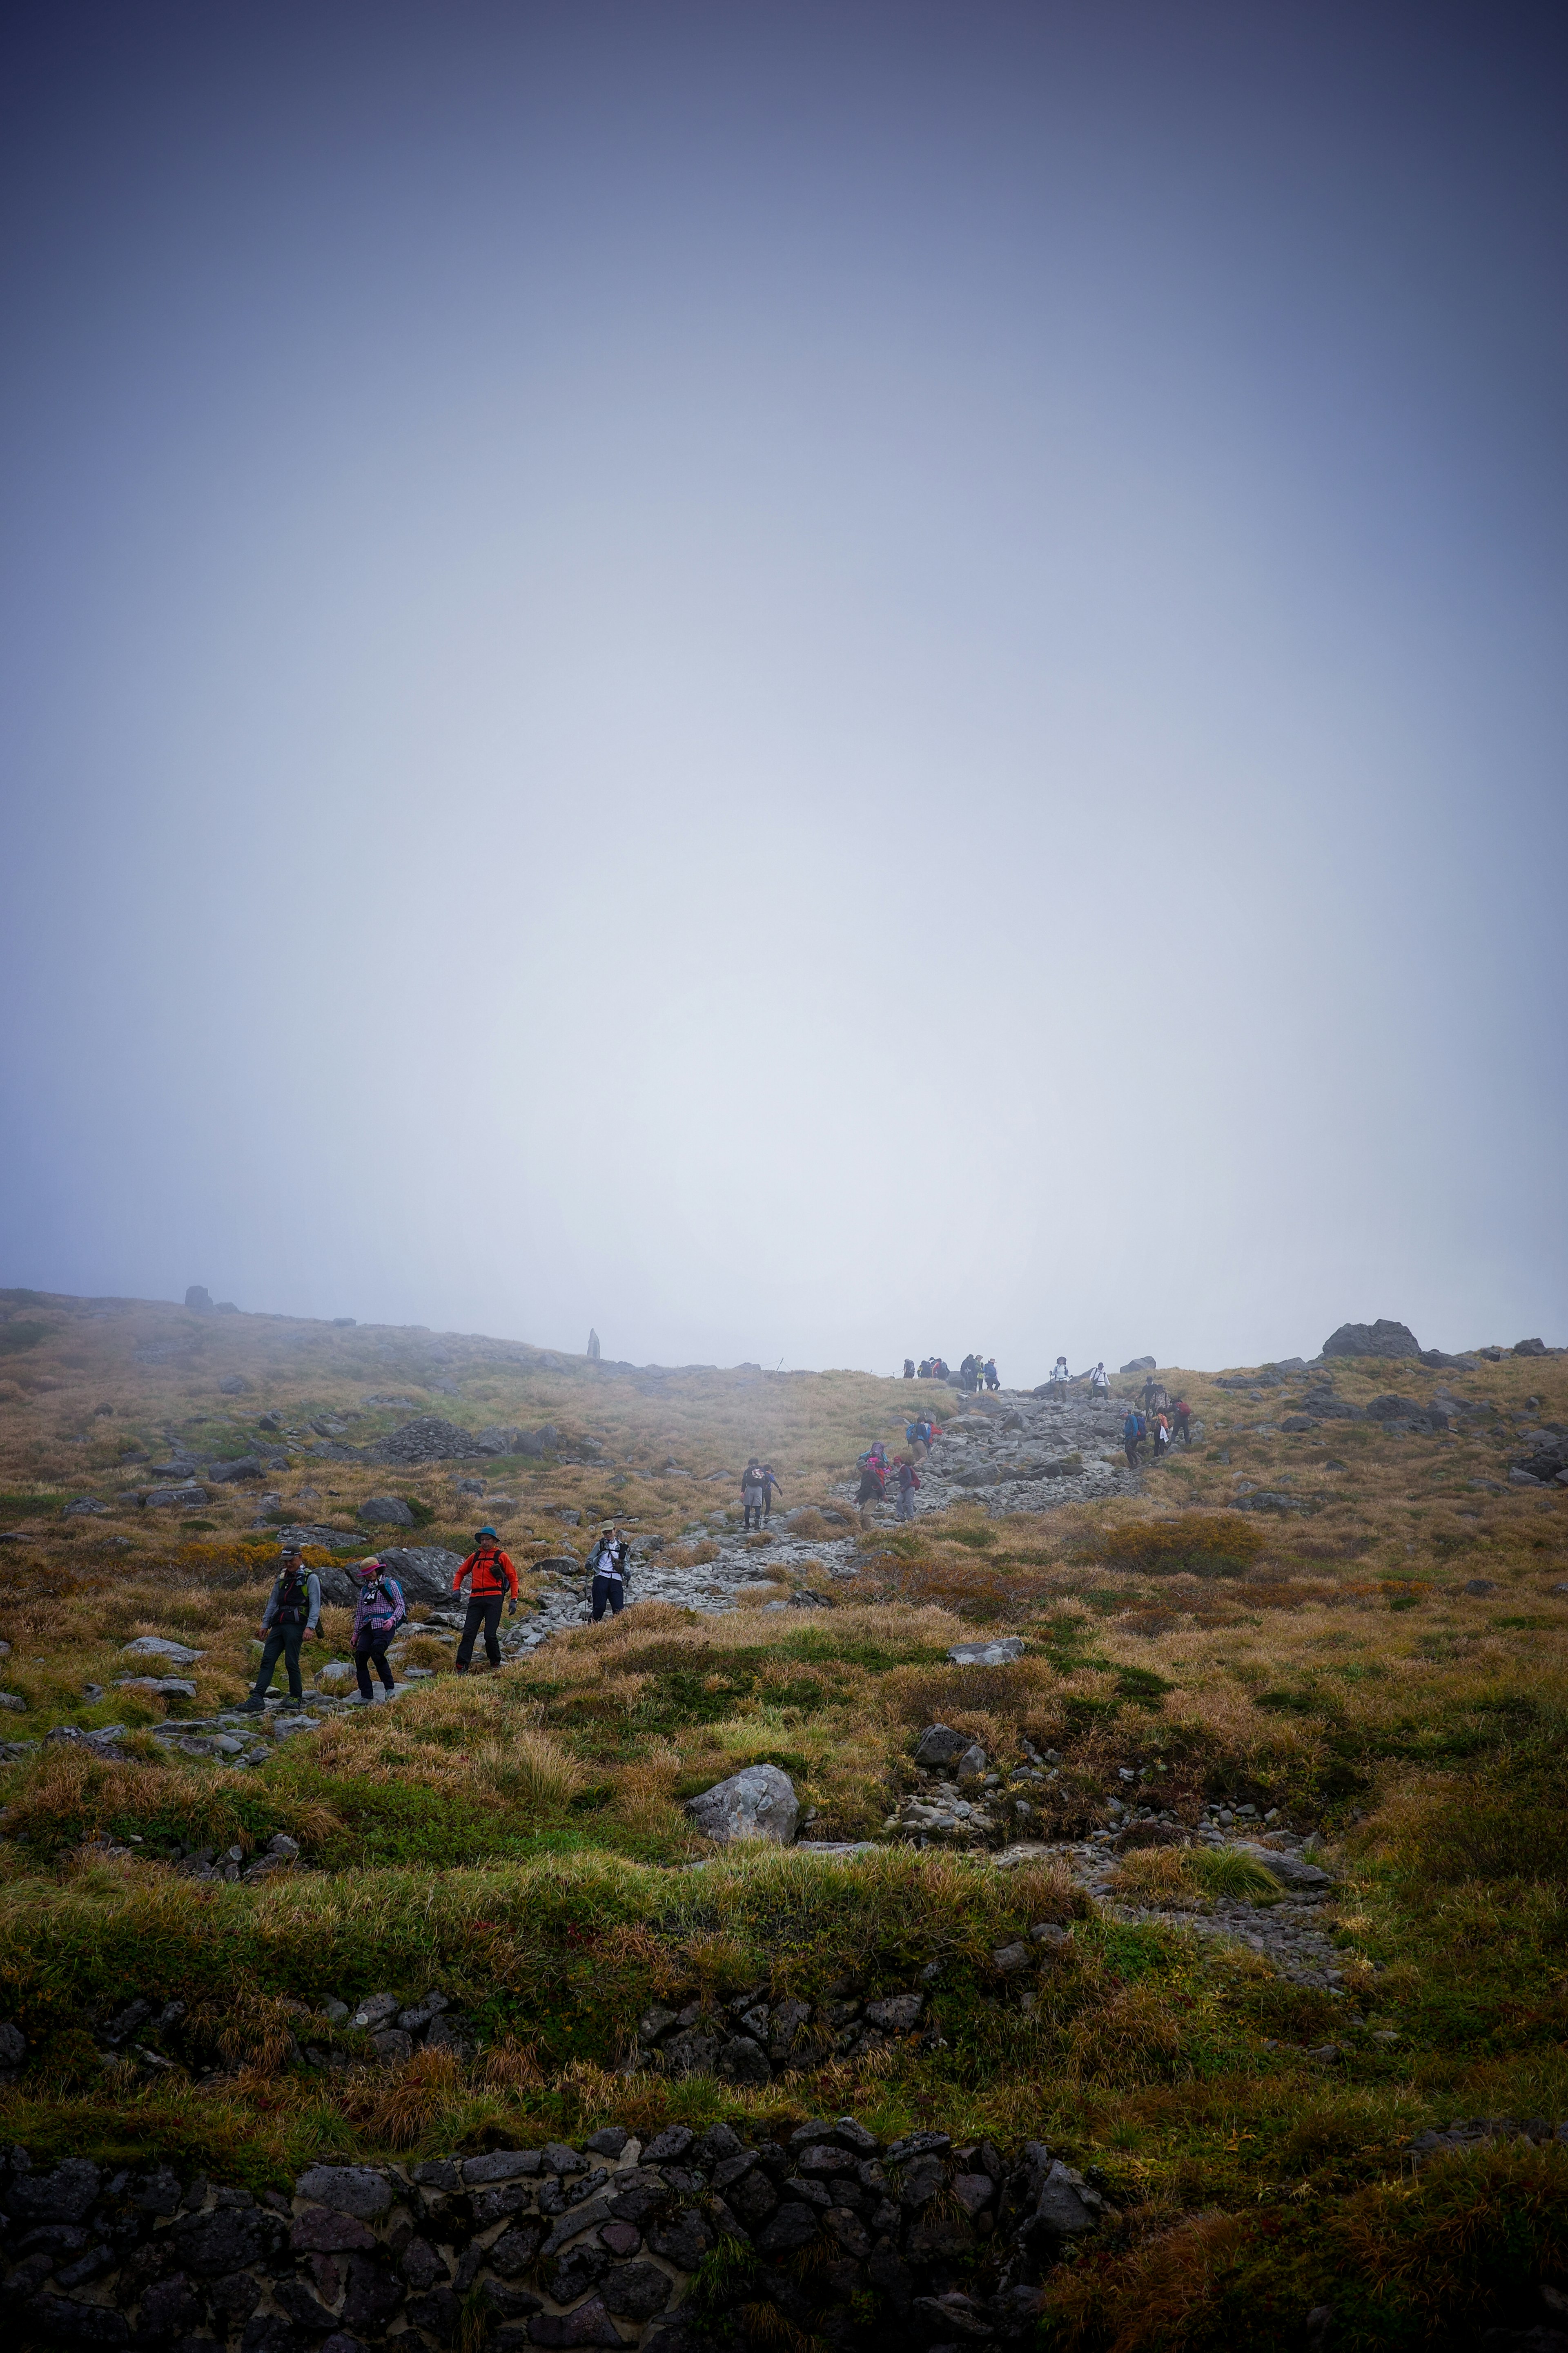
x=806 y=682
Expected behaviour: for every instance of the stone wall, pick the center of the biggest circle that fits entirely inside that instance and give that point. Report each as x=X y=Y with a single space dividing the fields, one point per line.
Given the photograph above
x=857 y=2243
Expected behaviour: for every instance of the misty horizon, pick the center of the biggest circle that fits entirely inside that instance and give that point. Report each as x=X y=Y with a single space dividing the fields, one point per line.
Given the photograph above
x=803 y=685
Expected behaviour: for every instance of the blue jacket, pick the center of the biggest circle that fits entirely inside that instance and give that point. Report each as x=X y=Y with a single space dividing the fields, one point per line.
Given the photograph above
x=1129 y=1429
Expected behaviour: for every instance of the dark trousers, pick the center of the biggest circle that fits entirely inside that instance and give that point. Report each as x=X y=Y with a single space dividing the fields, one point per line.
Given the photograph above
x=1183 y=1428
x=282 y=1641
x=609 y=1593
x=752 y=1497
x=1132 y=1444
x=371 y=1651
x=485 y=1612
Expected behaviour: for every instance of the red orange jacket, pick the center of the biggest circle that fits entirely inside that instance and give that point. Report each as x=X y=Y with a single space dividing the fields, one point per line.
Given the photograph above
x=485 y=1568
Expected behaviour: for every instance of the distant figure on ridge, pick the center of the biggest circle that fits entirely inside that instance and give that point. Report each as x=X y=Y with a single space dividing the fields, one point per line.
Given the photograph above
x=909 y=1368
x=1099 y=1382
x=490 y=1575
x=1184 y=1414
x=592 y=1346
x=992 y=1377
x=1060 y=1376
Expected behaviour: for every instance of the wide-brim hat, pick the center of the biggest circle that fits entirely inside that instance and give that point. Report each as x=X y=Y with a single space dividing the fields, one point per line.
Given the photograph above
x=486 y=1531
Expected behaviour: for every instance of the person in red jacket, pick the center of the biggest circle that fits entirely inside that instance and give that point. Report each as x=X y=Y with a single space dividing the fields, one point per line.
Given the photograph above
x=490 y=1576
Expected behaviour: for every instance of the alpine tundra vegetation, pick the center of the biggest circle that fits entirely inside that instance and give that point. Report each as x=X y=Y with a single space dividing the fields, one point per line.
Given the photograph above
x=1130 y=1913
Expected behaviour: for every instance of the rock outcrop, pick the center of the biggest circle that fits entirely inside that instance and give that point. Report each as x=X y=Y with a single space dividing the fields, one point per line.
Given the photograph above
x=1384 y=1338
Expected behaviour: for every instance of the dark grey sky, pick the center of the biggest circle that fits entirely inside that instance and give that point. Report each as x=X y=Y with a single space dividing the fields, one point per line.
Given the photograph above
x=807 y=681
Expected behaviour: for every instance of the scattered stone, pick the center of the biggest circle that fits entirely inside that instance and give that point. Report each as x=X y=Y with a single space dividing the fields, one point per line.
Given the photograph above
x=157 y=1646
x=998 y=1653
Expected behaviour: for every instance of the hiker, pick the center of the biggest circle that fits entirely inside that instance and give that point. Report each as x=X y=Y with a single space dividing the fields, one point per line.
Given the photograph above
x=753 y=1490
x=607 y=1567
x=378 y=1614
x=908 y=1482
x=909 y=1368
x=968 y=1376
x=1161 y=1436
x=873 y=1486
x=1100 y=1383
x=1131 y=1433
x=1059 y=1378
x=925 y=1368
x=769 y=1484
x=1184 y=1414
x=992 y=1377
x=293 y=1611
x=490 y=1576
x=916 y=1438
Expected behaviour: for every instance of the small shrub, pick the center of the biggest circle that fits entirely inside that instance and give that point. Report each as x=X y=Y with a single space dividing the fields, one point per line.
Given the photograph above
x=1200 y=1543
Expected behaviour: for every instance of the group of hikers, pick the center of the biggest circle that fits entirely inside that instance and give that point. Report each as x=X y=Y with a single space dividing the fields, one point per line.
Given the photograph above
x=293 y=1611
x=1162 y=1419
x=977 y=1372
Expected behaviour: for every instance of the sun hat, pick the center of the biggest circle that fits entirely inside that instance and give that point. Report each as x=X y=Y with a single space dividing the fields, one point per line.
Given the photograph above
x=486 y=1531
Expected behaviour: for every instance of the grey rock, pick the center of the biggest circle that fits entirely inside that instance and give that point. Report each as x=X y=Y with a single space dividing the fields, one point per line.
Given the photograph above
x=897 y=2013
x=167 y=1686
x=229 y=1474
x=82 y=1507
x=1530 y=1349
x=1141 y=1365
x=157 y=1646
x=1065 y=2208
x=1384 y=1338
x=378 y=1511
x=376 y=2011
x=999 y=1653
x=939 y=1744
x=199 y=1297
x=424 y=1571
x=1010 y=1958
x=1291 y=1869
x=235 y=1385
x=500 y=2164
x=356 y=2189
x=757 y=1802
x=166 y=1499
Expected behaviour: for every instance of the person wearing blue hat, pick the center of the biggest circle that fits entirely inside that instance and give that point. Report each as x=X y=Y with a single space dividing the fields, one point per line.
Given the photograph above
x=490 y=1576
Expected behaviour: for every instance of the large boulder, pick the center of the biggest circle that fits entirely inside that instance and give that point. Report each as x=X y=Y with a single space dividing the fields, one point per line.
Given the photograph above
x=199 y=1297
x=1384 y=1338
x=1530 y=1347
x=759 y=1802
x=246 y=1466
x=1140 y=1365
x=386 y=1511
x=424 y=1571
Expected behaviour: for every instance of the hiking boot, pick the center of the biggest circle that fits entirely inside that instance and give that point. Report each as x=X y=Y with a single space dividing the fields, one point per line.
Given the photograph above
x=251 y=1706
x=358 y=1699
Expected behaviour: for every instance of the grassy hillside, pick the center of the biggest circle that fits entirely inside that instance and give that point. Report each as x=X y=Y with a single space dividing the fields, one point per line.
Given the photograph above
x=1378 y=1656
